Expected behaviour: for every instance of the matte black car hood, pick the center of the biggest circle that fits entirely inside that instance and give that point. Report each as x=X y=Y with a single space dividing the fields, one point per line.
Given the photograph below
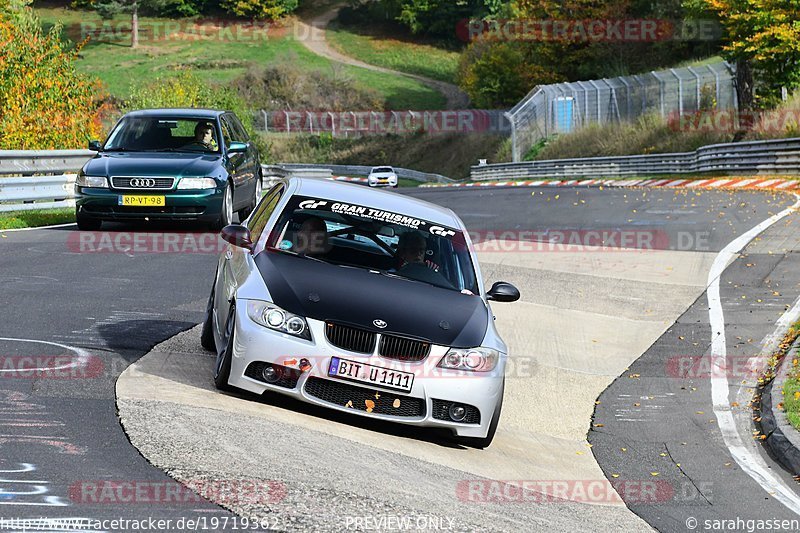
x=153 y=164
x=357 y=297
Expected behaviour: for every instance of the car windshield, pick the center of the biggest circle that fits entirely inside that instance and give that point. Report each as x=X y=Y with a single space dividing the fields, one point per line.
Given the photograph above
x=164 y=134
x=363 y=237
x=382 y=169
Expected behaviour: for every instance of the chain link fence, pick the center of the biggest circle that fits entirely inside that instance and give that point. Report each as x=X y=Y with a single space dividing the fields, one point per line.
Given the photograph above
x=566 y=107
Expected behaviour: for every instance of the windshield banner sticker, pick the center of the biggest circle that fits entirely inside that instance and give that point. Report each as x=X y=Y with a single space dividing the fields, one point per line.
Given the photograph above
x=342 y=208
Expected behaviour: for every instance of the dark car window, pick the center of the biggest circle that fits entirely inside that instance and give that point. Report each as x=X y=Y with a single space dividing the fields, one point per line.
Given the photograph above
x=227 y=133
x=237 y=126
x=262 y=213
x=162 y=133
x=360 y=236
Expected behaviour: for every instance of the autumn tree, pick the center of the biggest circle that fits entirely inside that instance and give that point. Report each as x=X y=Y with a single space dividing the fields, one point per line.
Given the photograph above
x=44 y=102
x=763 y=40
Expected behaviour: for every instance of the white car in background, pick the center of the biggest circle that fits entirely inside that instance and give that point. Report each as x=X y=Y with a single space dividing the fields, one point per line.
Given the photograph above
x=382 y=177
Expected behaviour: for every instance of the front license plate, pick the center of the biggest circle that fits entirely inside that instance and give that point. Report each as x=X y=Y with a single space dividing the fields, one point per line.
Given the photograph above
x=373 y=375
x=142 y=201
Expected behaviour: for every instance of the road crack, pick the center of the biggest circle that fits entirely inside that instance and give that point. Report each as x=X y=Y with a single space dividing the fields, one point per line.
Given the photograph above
x=682 y=471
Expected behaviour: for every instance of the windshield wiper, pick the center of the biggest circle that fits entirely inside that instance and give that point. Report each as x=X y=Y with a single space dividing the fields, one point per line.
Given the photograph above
x=120 y=149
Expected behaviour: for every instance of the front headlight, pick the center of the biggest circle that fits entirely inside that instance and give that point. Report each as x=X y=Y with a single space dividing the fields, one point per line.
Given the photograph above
x=271 y=316
x=470 y=359
x=98 y=182
x=197 y=183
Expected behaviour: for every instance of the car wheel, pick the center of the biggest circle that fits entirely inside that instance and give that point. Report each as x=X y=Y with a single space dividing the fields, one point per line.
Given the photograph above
x=487 y=440
x=222 y=367
x=244 y=213
x=226 y=210
x=207 y=336
x=87 y=224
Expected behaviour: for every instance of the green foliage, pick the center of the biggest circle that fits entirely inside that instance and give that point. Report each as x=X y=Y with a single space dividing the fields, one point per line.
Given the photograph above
x=542 y=57
x=259 y=9
x=492 y=76
x=766 y=35
x=44 y=102
x=429 y=17
x=186 y=89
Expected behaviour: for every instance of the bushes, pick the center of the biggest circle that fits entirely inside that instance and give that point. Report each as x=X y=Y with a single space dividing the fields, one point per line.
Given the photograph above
x=44 y=102
x=259 y=9
x=287 y=87
x=650 y=134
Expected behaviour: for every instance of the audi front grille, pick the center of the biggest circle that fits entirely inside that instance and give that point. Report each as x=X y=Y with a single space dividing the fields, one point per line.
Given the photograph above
x=138 y=183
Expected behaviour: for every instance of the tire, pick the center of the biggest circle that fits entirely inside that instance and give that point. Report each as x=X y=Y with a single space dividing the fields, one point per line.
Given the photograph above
x=487 y=440
x=225 y=211
x=244 y=213
x=207 y=336
x=222 y=367
x=87 y=224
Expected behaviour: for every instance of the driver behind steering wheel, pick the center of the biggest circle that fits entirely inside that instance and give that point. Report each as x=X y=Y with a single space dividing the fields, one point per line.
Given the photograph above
x=203 y=137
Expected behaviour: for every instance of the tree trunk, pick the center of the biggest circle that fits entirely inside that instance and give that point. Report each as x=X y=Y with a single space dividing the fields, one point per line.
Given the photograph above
x=135 y=26
x=744 y=96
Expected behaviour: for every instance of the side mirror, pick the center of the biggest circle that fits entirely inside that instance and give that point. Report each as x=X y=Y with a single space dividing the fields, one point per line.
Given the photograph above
x=95 y=145
x=503 y=292
x=237 y=235
x=235 y=148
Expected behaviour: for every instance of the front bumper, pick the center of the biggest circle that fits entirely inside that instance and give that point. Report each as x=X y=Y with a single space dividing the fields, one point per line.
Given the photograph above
x=425 y=405
x=382 y=181
x=103 y=204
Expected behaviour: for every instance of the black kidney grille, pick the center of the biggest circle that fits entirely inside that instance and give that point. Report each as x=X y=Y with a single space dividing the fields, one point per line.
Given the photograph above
x=403 y=349
x=343 y=394
x=352 y=339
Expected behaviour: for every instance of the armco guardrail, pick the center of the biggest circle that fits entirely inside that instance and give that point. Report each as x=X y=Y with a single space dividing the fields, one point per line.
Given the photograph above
x=781 y=156
x=38 y=162
x=39 y=179
x=37 y=192
x=360 y=170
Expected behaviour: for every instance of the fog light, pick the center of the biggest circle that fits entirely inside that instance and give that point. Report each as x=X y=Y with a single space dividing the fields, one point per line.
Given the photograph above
x=270 y=375
x=457 y=412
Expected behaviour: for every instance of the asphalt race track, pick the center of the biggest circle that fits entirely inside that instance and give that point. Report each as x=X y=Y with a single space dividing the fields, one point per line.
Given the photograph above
x=612 y=325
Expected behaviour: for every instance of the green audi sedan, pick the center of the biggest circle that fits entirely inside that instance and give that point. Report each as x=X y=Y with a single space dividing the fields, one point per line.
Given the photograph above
x=170 y=164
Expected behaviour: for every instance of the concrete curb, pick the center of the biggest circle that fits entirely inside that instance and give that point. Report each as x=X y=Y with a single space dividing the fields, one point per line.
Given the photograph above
x=783 y=440
x=780 y=184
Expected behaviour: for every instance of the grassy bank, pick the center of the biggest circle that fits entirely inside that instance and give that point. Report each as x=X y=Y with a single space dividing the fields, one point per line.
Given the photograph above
x=450 y=155
x=32 y=219
x=218 y=53
x=791 y=387
x=380 y=47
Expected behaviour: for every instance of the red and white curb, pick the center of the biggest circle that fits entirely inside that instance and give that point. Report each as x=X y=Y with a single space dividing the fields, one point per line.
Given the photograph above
x=713 y=183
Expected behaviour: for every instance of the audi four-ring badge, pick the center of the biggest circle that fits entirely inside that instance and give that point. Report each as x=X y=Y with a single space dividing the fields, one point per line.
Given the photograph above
x=170 y=164
x=362 y=301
